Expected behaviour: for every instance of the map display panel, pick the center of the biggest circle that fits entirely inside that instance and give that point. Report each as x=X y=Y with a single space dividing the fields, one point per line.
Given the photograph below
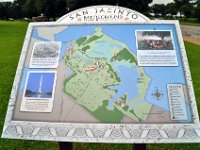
x=99 y=79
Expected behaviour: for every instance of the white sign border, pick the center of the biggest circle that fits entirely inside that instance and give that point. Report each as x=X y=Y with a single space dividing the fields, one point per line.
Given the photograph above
x=102 y=133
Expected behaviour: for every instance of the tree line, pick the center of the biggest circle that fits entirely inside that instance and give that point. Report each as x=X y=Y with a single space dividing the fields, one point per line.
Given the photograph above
x=56 y=8
x=185 y=8
x=19 y=9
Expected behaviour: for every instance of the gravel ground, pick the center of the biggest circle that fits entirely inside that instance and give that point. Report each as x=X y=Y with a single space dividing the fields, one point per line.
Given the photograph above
x=191 y=33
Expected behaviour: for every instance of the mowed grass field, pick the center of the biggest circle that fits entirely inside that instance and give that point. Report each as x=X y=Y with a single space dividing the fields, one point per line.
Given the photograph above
x=11 y=40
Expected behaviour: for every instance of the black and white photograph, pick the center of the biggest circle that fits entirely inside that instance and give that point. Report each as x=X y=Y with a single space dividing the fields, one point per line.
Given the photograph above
x=46 y=50
x=45 y=54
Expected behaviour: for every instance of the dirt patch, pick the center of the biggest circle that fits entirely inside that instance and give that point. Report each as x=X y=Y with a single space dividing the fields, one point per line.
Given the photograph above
x=191 y=40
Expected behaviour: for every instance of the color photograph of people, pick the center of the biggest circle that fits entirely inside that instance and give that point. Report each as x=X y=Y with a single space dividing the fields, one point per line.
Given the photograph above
x=154 y=40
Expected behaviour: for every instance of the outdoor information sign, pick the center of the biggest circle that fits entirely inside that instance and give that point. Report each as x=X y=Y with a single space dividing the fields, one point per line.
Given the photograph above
x=98 y=80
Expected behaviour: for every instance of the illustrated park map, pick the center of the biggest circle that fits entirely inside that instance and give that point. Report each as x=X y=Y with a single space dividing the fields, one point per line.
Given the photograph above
x=104 y=74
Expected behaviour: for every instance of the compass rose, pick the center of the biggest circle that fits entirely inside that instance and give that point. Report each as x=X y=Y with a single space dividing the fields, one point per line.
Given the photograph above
x=157 y=94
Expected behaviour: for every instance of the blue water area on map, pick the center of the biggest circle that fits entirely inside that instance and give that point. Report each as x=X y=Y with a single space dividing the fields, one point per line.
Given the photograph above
x=74 y=32
x=69 y=71
x=62 y=50
x=126 y=74
x=36 y=36
x=163 y=77
x=160 y=76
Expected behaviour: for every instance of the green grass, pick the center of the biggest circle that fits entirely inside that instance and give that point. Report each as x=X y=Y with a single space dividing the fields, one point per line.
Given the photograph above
x=183 y=21
x=11 y=40
x=189 y=23
x=193 y=54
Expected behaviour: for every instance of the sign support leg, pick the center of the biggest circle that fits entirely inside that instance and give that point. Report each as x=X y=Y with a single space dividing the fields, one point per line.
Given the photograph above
x=65 y=146
x=139 y=147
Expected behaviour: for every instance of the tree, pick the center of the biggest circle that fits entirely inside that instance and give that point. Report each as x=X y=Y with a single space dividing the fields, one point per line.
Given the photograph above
x=161 y=34
x=187 y=10
x=61 y=8
x=55 y=8
x=158 y=9
x=29 y=8
x=138 y=5
x=197 y=10
x=181 y=4
x=18 y=4
x=171 y=9
x=5 y=8
x=46 y=7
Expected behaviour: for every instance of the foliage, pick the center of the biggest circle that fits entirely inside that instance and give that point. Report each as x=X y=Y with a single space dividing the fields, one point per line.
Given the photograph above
x=161 y=34
x=141 y=6
x=29 y=8
x=187 y=10
x=171 y=9
x=182 y=8
x=57 y=8
x=197 y=10
x=158 y=9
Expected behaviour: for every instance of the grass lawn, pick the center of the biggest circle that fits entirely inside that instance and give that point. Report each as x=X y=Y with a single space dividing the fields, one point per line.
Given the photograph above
x=11 y=40
x=189 y=23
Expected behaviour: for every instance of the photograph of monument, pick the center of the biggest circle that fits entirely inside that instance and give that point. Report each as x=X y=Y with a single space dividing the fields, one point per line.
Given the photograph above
x=40 y=85
x=46 y=50
x=154 y=40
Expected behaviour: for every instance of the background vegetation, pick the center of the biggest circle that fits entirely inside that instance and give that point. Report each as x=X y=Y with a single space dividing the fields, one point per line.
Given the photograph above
x=20 y=9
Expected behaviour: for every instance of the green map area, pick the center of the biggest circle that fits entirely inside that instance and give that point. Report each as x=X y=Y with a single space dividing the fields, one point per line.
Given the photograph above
x=98 y=62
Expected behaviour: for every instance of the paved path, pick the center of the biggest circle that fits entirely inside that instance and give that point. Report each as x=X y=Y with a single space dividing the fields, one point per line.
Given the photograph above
x=191 y=33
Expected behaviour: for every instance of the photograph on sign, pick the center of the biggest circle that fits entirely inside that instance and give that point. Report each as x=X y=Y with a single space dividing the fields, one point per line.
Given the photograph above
x=156 y=48
x=39 y=91
x=155 y=40
x=45 y=55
